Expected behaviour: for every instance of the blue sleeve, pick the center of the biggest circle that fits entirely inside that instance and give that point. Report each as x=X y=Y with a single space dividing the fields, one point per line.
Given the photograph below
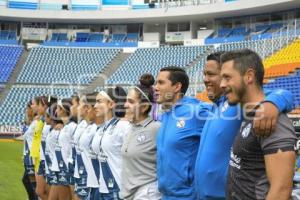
x=282 y=99
x=202 y=113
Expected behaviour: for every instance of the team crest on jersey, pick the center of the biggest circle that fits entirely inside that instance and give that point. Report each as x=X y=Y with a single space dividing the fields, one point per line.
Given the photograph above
x=141 y=138
x=246 y=130
x=180 y=123
x=225 y=106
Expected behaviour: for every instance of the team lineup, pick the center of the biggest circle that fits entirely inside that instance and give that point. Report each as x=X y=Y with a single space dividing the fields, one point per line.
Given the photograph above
x=154 y=142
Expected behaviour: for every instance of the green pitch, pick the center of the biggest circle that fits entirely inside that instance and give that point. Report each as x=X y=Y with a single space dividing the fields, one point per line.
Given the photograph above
x=11 y=171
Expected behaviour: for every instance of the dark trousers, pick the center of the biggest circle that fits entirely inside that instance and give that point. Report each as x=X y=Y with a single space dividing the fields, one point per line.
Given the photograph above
x=29 y=187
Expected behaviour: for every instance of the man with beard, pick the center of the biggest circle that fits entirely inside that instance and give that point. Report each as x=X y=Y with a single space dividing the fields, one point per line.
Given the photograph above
x=221 y=128
x=260 y=167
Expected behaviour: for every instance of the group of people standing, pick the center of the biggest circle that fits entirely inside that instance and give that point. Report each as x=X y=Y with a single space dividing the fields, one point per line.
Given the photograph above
x=108 y=145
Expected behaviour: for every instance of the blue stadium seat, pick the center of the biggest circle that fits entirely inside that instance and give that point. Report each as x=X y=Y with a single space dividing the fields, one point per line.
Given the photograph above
x=12 y=110
x=65 y=65
x=290 y=83
x=9 y=56
x=152 y=59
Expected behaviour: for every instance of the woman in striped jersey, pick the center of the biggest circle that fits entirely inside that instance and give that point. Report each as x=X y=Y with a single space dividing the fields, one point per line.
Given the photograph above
x=42 y=188
x=63 y=150
x=82 y=125
x=51 y=162
x=28 y=177
x=110 y=106
x=74 y=117
x=88 y=165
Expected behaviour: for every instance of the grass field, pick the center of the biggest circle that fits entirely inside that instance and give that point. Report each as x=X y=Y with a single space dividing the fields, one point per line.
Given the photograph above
x=11 y=171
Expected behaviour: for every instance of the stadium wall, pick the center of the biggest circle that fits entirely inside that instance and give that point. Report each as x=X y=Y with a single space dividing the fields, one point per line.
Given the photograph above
x=216 y=10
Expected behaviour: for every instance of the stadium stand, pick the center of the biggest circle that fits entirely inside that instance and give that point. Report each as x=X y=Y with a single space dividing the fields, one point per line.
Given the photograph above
x=9 y=56
x=85 y=39
x=82 y=37
x=241 y=33
x=278 y=62
x=289 y=54
x=290 y=83
x=118 y=37
x=65 y=65
x=152 y=59
x=12 y=109
x=132 y=37
x=59 y=37
x=8 y=37
x=263 y=47
x=96 y=37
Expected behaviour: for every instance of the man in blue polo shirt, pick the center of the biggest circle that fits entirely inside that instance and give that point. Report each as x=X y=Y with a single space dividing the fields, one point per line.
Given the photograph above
x=221 y=128
x=179 y=136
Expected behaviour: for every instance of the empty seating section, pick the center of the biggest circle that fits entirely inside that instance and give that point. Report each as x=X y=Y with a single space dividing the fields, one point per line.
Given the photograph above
x=151 y=60
x=93 y=39
x=274 y=27
x=96 y=37
x=281 y=70
x=238 y=31
x=285 y=65
x=59 y=37
x=13 y=108
x=65 y=65
x=8 y=35
x=9 y=56
x=224 y=32
x=82 y=37
x=132 y=37
x=89 y=37
x=290 y=83
x=118 y=37
x=261 y=28
x=263 y=47
x=289 y=54
x=260 y=31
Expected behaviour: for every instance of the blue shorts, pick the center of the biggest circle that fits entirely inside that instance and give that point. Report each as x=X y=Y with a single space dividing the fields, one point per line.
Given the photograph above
x=95 y=194
x=110 y=196
x=29 y=170
x=51 y=178
x=84 y=193
x=42 y=169
x=63 y=177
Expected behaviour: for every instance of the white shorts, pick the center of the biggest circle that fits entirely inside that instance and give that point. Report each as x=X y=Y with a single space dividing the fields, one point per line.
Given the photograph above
x=146 y=192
